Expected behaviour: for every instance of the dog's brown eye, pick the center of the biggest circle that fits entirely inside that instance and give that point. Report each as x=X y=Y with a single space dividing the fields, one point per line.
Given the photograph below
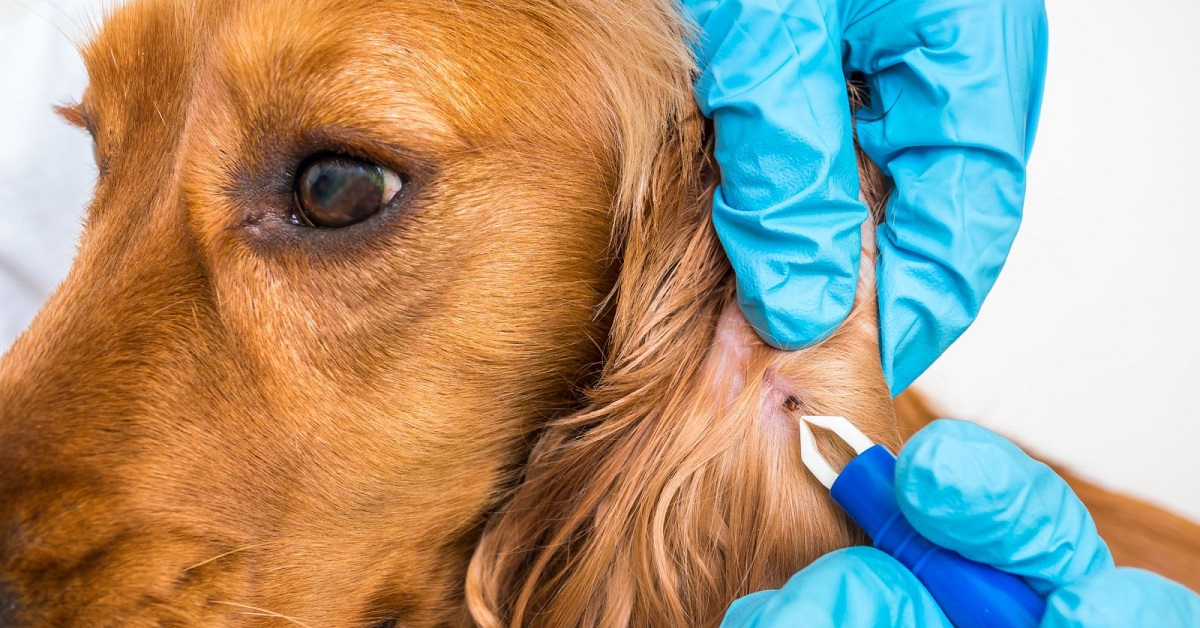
x=334 y=191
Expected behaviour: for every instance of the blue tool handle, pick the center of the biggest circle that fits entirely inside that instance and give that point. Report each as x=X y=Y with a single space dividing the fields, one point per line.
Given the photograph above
x=971 y=594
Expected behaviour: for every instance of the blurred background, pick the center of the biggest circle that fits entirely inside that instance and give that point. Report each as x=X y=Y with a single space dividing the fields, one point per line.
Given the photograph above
x=1087 y=351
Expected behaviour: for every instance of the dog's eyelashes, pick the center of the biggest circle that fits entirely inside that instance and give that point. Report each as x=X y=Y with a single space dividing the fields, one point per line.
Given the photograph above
x=336 y=191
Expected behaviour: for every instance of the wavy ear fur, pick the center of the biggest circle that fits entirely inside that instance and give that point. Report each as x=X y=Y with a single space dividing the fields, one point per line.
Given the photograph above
x=678 y=487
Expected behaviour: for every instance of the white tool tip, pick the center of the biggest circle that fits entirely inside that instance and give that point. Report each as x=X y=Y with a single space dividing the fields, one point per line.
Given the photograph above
x=812 y=458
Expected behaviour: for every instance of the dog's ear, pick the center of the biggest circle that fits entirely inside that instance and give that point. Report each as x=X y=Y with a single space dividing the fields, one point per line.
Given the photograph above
x=678 y=487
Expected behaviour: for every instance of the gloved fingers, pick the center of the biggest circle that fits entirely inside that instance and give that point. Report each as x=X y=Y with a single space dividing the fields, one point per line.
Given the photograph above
x=972 y=491
x=1123 y=597
x=947 y=235
x=955 y=90
x=857 y=587
x=787 y=209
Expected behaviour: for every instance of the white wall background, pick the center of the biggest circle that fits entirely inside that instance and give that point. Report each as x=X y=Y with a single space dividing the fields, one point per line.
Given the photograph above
x=46 y=168
x=1086 y=351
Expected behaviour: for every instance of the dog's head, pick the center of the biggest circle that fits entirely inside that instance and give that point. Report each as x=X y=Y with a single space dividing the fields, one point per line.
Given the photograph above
x=343 y=260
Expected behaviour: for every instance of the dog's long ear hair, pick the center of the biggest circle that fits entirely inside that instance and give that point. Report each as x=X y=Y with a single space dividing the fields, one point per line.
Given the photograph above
x=678 y=487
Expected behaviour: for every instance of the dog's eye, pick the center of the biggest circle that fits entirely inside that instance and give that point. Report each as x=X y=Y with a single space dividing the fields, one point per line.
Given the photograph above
x=335 y=191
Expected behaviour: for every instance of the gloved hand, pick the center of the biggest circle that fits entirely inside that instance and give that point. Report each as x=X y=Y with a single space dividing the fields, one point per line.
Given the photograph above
x=955 y=89
x=974 y=492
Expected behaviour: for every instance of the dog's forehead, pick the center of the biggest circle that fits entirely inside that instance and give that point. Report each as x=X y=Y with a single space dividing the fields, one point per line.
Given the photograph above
x=481 y=66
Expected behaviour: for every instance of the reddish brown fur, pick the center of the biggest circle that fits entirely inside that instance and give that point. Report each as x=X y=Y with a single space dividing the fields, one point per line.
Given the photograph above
x=680 y=488
x=219 y=415
x=222 y=418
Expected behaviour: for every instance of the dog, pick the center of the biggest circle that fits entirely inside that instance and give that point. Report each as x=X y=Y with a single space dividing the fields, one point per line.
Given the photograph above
x=361 y=290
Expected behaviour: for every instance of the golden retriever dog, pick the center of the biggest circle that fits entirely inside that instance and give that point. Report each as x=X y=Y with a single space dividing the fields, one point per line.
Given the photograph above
x=411 y=314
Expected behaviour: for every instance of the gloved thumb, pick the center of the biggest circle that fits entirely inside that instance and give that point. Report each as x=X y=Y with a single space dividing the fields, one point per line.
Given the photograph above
x=1118 y=598
x=856 y=587
x=972 y=491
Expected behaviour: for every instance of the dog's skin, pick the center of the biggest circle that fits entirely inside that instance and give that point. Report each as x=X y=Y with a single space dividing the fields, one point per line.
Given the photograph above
x=223 y=417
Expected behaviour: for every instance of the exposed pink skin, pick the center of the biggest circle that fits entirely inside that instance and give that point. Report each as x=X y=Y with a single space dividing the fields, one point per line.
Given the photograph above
x=734 y=346
x=781 y=400
x=738 y=352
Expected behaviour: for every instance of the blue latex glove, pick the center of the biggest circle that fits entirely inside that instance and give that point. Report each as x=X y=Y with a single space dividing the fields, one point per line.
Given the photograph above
x=955 y=86
x=972 y=491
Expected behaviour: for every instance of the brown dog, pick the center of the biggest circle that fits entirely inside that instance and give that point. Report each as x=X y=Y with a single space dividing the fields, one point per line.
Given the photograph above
x=261 y=398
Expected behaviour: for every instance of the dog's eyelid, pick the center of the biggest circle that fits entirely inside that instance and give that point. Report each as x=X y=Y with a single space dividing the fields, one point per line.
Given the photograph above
x=365 y=146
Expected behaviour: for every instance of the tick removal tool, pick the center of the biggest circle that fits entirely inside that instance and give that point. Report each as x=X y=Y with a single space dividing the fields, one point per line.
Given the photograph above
x=971 y=594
